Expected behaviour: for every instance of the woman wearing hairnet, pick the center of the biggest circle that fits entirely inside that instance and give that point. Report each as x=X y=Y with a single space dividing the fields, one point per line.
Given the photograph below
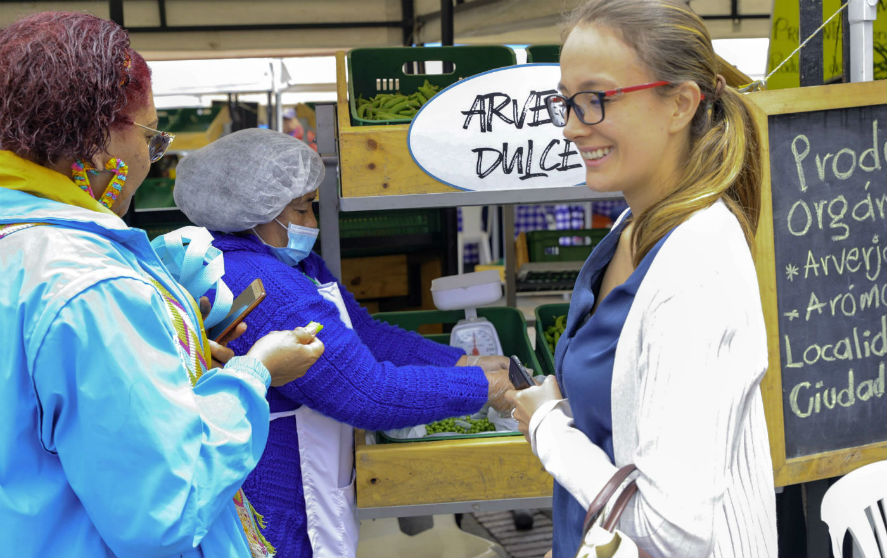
x=253 y=190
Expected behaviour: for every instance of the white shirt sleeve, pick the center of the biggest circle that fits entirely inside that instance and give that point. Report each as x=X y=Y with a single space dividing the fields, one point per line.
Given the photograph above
x=574 y=461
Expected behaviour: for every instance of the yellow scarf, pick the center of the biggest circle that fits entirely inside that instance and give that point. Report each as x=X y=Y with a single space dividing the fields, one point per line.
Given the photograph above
x=20 y=174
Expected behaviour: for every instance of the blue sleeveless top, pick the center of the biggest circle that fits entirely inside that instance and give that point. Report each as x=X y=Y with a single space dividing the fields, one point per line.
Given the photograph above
x=584 y=366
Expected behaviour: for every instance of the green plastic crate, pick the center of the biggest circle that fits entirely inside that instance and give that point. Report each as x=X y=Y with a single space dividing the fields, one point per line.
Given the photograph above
x=510 y=325
x=543 y=53
x=187 y=119
x=360 y=224
x=553 y=246
x=155 y=193
x=545 y=317
x=381 y=70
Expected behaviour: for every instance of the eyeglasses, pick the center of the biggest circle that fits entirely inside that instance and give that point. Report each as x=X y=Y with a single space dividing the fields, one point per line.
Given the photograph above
x=159 y=142
x=588 y=105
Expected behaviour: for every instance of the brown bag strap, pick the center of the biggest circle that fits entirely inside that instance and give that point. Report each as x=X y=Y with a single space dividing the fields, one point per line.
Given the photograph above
x=609 y=522
x=618 y=507
x=597 y=505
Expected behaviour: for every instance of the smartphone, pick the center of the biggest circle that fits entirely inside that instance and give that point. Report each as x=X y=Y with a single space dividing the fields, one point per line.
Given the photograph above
x=251 y=296
x=520 y=377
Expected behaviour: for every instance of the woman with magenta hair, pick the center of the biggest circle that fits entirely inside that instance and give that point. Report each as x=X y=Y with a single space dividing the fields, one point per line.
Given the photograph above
x=116 y=437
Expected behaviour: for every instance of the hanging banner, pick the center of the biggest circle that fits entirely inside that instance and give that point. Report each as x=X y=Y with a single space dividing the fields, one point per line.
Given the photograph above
x=785 y=38
x=492 y=132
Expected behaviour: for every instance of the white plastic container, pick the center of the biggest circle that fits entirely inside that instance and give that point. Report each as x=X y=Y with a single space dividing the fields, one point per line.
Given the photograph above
x=469 y=290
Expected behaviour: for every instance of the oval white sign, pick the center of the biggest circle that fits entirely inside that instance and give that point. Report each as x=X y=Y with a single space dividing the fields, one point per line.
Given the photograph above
x=492 y=131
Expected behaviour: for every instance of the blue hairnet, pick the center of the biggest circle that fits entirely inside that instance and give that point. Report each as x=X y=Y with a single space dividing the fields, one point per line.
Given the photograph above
x=245 y=179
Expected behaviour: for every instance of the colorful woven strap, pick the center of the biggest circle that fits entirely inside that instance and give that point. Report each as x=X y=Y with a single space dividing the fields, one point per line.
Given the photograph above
x=189 y=255
x=194 y=349
x=252 y=521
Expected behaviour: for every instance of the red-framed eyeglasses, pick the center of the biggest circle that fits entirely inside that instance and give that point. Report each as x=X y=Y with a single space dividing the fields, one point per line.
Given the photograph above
x=589 y=105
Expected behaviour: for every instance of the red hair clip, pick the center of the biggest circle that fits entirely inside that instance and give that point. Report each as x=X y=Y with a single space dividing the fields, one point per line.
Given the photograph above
x=127 y=63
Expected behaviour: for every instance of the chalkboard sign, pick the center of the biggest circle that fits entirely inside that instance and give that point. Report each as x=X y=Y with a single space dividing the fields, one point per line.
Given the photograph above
x=821 y=252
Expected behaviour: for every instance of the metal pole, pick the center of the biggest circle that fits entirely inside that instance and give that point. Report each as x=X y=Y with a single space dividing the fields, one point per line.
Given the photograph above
x=274 y=96
x=861 y=15
x=510 y=256
x=327 y=146
x=115 y=11
x=446 y=29
x=845 y=47
x=408 y=14
x=446 y=22
x=161 y=12
x=450 y=218
x=811 y=55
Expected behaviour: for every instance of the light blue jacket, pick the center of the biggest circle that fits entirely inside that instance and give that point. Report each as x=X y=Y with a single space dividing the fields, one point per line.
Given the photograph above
x=105 y=447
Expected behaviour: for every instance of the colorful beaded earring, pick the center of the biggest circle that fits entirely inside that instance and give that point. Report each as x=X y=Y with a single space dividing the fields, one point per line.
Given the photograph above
x=109 y=196
x=78 y=175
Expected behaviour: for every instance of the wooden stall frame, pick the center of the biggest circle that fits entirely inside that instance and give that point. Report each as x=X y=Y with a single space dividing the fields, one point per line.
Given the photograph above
x=786 y=101
x=374 y=160
x=488 y=468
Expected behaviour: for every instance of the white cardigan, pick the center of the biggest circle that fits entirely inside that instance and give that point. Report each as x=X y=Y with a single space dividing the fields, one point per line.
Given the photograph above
x=686 y=403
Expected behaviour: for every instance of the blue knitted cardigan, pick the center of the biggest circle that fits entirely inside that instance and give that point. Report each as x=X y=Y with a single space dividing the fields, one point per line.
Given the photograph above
x=375 y=377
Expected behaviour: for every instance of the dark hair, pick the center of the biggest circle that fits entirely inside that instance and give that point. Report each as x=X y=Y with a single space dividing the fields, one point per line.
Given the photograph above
x=65 y=79
x=674 y=44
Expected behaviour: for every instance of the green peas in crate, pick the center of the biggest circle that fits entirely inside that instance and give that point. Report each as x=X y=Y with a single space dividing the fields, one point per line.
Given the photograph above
x=553 y=332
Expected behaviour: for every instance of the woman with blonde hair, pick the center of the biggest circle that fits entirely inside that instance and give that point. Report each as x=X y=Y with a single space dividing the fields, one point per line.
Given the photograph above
x=665 y=347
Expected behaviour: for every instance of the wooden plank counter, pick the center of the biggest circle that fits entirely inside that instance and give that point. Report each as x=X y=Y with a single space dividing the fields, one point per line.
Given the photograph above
x=417 y=473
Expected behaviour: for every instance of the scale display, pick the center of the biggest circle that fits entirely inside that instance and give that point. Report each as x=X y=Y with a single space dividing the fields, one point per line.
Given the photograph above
x=476 y=337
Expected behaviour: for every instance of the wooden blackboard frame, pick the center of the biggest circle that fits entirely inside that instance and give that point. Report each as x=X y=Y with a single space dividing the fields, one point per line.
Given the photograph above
x=788 y=101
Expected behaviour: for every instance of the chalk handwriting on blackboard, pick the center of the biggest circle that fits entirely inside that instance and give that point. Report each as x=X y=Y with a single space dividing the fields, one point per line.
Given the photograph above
x=829 y=189
x=490 y=107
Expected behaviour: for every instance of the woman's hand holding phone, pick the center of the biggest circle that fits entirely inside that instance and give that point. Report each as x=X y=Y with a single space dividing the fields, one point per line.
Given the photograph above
x=219 y=348
x=527 y=401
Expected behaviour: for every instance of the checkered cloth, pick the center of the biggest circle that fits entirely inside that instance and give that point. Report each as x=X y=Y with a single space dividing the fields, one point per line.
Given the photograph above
x=471 y=251
x=548 y=217
x=609 y=208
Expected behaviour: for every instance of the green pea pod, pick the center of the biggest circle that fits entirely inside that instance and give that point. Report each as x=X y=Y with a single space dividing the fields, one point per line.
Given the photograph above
x=391 y=102
x=399 y=106
x=385 y=115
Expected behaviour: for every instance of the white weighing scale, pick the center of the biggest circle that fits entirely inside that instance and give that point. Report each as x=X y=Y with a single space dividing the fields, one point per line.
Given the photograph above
x=475 y=335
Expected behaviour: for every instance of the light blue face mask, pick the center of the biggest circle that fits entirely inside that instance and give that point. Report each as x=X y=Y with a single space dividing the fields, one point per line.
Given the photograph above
x=300 y=241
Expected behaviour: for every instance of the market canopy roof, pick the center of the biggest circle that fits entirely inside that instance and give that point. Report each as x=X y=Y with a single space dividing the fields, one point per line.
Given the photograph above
x=188 y=29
